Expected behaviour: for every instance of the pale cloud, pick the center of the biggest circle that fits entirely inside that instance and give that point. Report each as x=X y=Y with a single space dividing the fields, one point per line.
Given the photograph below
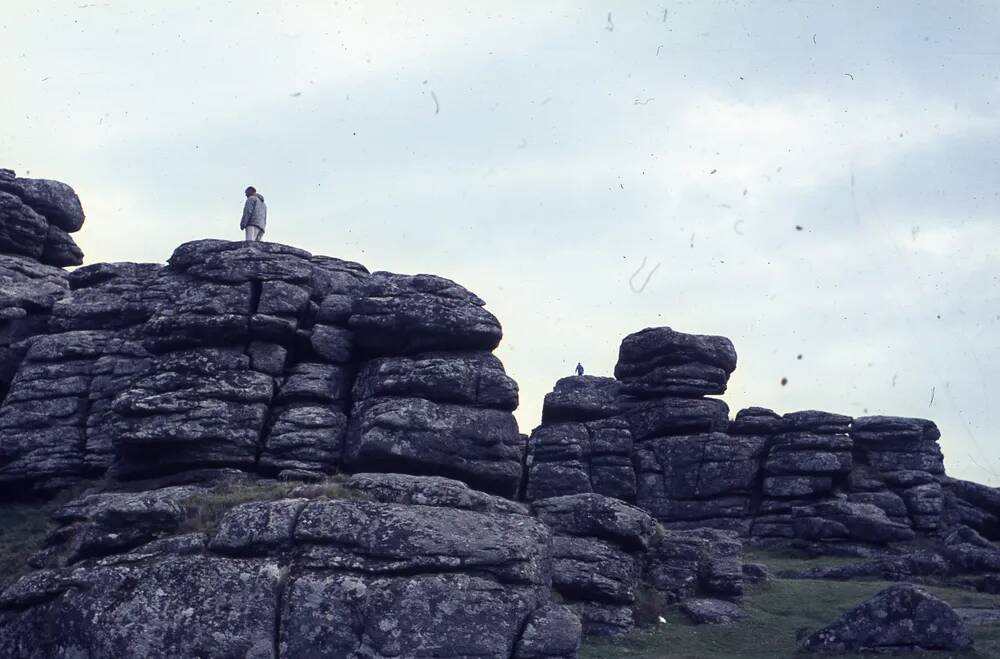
x=548 y=175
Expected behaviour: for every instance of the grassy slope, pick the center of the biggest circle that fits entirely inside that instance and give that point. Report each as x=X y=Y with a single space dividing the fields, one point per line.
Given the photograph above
x=775 y=612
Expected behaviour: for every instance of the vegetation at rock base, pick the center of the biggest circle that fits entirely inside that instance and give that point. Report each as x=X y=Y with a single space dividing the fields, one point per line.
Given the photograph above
x=203 y=513
x=776 y=612
x=23 y=526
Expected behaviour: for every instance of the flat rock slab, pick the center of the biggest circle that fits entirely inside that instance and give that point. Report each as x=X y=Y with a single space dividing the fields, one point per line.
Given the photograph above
x=481 y=447
x=712 y=612
x=661 y=362
x=582 y=398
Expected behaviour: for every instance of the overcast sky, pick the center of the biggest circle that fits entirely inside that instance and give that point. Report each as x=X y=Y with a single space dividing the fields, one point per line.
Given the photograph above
x=817 y=181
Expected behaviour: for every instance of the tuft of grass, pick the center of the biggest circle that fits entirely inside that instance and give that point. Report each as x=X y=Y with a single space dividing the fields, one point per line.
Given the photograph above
x=204 y=512
x=776 y=613
x=23 y=526
x=785 y=561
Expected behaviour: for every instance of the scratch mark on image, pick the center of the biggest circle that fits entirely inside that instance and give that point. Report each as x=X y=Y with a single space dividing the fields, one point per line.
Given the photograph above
x=932 y=396
x=631 y=280
x=437 y=106
x=658 y=49
x=736 y=227
x=638 y=102
x=849 y=76
x=692 y=241
x=610 y=27
x=665 y=11
x=894 y=375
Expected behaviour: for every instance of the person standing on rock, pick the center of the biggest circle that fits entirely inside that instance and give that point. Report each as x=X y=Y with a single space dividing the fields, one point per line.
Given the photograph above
x=579 y=368
x=254 y=215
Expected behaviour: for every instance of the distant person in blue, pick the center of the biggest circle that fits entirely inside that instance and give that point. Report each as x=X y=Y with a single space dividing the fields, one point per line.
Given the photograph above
x=579 y=368
x=254 y=215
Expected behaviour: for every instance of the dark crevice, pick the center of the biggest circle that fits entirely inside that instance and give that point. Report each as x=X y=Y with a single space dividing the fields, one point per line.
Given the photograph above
x=522 y=486
x=757 y=488
x=497 y=485
x=256 y=290
x=281 y=593
x=521 y=627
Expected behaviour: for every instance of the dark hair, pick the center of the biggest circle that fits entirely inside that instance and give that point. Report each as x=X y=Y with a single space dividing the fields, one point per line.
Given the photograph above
x=251 y=190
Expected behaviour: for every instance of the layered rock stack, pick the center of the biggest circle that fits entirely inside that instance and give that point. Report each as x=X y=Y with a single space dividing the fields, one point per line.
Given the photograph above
x=807 y=459
x=650 y=436
x=651 y=427
x=429 y=397
x=245 y=356
x=36 y=218
x=906 y=463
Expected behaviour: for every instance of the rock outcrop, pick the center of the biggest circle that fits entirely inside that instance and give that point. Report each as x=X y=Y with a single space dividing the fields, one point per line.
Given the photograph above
x=288 y=456
x=453 y=576
x=650 y=437
x=261 y=357
x=36 y=218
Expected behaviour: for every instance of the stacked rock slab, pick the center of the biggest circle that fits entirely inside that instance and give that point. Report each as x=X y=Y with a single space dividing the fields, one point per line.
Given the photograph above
x=613 y=564
x=429 y=397
x=687 y=472
x=581 y=445
x=905 y=455
x=609 y=436
x=598 y=552
x=36 y=218
x=806 y=461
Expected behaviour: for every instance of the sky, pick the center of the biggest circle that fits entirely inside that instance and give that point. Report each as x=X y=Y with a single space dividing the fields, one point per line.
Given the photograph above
x=817 y=181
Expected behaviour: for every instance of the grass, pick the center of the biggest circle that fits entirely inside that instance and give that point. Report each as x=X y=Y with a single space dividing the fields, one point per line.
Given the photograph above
x=781 y=562
x=204 y=512
x=776 y=612
x=23 y=526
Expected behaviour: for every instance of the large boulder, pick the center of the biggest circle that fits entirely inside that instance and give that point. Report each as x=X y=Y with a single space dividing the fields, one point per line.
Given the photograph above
x=192 y=408
x=699 y=562
x=840 y=519
x=661 y=362
x=757 y=421
x=54 y=200
x=481 y=447
x=474 y=379
x=574 y=458
x=22 y=230
x=704 y=480
x=903 y=617
x=55 y=423
x=405 y=315
x=676 y=416
x=582 y=398
x=597 y=516
x=295 y=577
